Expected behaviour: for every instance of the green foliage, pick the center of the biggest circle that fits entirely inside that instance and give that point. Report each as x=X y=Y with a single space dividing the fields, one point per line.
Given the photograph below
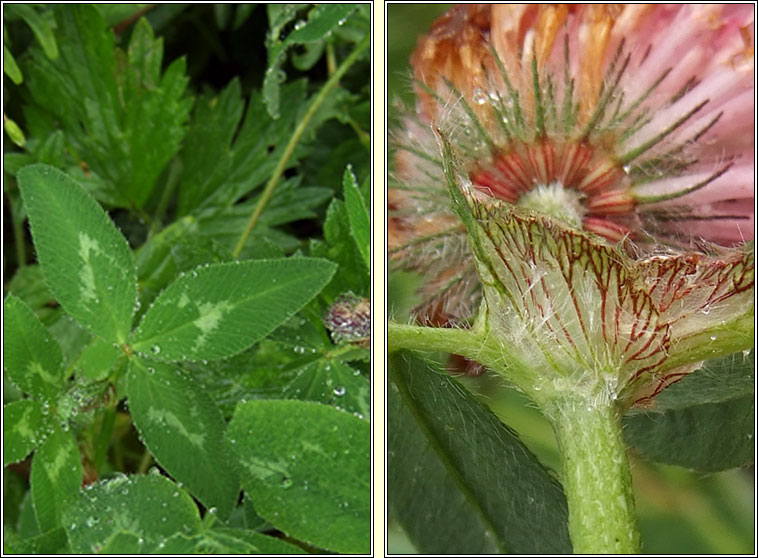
x=142 y=327
x=150 y=507
x=31 y=357
x=460 y=481
x=84 y=258
x=683 y=428
x=308 y=480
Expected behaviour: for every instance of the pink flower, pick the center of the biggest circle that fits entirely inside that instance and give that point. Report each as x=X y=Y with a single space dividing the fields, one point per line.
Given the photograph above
x=632 y=122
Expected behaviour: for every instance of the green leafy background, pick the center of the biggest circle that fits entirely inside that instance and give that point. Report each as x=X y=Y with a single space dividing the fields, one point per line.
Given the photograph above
x=140 y=320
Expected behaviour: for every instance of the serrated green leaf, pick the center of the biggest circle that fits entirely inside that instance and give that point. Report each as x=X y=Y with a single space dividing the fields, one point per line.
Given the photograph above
x=183 y=430
x=222 y=309
x=118 y=114
x=357 y=214
x=207 y=151
x=86 y=261
x=149 y=506
x=687 y=425
x=334 y=383
x=32 y=358
x=459 y=480
x=289 y=203
x=24 y=427
x=341 y=249
x=307 y=468
x=56 y=475
x=322 y=21
x=241 y=166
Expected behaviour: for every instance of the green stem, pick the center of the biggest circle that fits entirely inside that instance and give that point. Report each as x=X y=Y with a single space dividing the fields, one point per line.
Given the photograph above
x=475 y=345
x=145 y=461
x=103 y=440
x=596 y=477
x=296 y=135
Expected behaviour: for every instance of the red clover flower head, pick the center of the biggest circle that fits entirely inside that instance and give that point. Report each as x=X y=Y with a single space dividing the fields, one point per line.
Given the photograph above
x=595 y=184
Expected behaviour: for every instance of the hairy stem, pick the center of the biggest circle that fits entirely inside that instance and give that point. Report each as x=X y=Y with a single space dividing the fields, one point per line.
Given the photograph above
x=295 y=139
x=596 y=477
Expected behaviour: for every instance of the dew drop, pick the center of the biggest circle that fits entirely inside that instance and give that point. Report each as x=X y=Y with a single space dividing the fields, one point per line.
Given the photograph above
x=480 y=97
x=155 y=349
x=713 y=337
x=286 y=482
x=299 y=24
x=339 y=391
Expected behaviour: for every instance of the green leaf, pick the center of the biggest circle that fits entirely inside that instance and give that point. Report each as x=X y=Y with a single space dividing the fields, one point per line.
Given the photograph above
x=218 y=171
x=340 y=248
x=56 y=475
x=704 y=422
x=32 y=358
x=307 y=468
x=42 y=30
x=322 y=21
x=47 y=544
x=332 y=382
x=459 y=480
x=24 y=426
x=97 y=360
x=86 y=261
x=123 y=542
x=14 y=132
x=357 y=214
x=220 y=310
x=10 y=68
x=149 y=506
x=279 y=15
x=207 y=152
x=118 y=113
x=289 y=203
x=237 y=541
x=184 y=431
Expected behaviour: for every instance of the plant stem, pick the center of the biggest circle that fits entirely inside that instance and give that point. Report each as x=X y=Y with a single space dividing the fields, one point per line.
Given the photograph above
x=596 y=477
x=470 y=343
x=295 y=138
